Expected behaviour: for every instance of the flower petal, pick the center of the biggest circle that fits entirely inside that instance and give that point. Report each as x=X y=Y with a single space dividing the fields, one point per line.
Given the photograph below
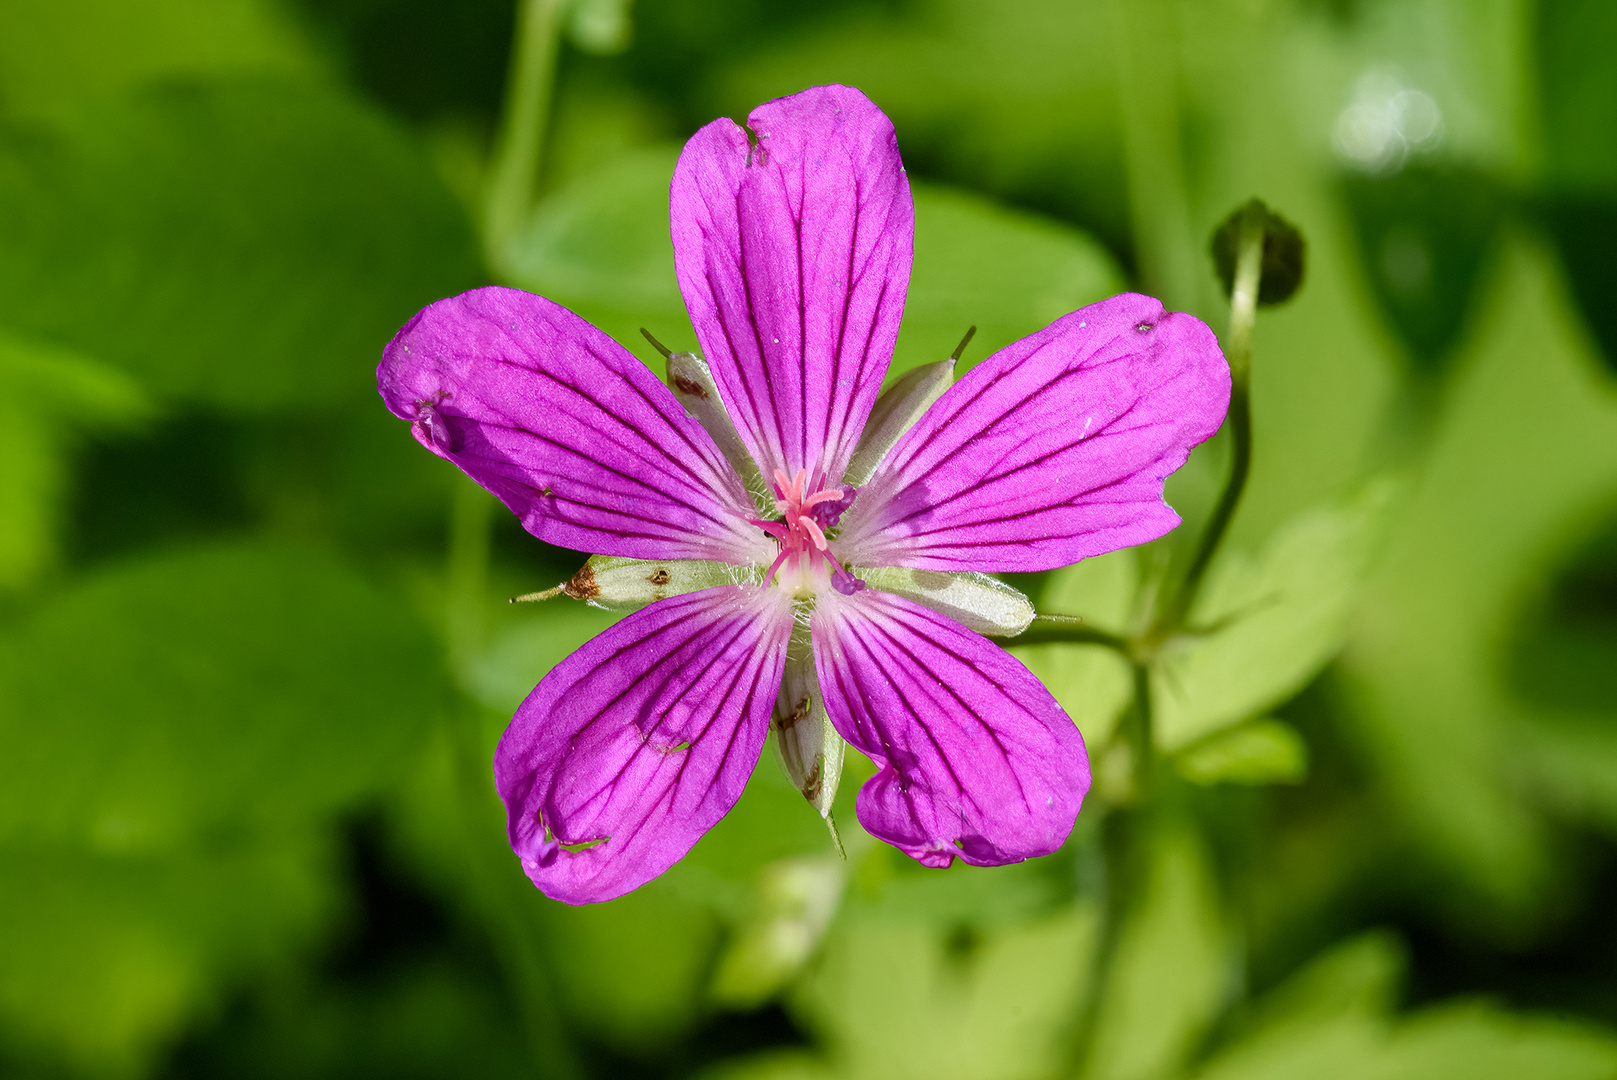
x=575 y=435
x=638 y=743
x=977 y=759
x=794 y=256
x=1051 y=450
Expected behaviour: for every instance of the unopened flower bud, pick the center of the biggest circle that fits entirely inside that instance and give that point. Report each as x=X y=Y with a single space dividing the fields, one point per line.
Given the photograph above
x=1284 y=252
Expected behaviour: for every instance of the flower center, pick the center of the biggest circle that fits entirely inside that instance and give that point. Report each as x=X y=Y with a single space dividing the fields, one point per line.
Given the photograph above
x=805 y=563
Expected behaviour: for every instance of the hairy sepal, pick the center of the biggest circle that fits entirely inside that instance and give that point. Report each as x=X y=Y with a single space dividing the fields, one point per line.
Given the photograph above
x=692 y=383
x=975 y=601
x=807 y=744
x=621 y=584
x=898 y=408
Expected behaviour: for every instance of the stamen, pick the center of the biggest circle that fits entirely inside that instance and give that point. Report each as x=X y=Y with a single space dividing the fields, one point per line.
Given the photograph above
x=801 y=534
x=769 y=575
x=813 y=530
x=829 y=495
x=774 y=528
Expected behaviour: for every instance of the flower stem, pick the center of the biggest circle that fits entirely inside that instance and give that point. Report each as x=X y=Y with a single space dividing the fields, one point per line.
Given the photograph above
x=513 y=177
x=1141 y=736
x=1238 y=350
x=1067 y=630
x=1124 y=834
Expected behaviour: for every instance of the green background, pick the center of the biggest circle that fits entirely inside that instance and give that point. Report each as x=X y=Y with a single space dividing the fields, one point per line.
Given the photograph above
x=255 y=654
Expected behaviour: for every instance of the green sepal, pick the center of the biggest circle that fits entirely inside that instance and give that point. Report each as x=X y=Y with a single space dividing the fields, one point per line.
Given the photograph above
x=619 y=584
x=809 y=749
x=899 y=406
x=976 y=601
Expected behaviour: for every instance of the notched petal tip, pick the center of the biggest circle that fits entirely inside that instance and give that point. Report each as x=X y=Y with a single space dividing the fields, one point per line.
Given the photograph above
x=565 y=427
x=793 y=253
x=978 y=761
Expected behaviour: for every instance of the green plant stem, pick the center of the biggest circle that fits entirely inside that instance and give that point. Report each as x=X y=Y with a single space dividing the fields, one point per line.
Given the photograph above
x=1146 y=57
x=1238 y=351
x=513 y=176
x=1142 y=738
x=1124 y=834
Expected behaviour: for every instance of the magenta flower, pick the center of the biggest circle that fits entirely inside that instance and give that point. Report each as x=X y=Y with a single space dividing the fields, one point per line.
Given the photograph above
x=817 y=548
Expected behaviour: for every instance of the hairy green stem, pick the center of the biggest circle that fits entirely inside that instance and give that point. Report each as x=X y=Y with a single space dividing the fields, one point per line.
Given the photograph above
x=1065 y=630
x=1123 y=846
x=513 y=176
x=1238 y=351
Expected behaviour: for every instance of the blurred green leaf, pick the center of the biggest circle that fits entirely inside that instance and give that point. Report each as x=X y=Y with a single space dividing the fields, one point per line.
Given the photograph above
x=524 y=649
x=1578 y=93
x=102 y=958
x=1579 y=96
x=174 y=700
x=1424 y=236
x=1561 y=647
x=1583 y=228
x=774 y=1065
x=55 y=55
x=1333 y=1020
x=1270 y=623
x=1007 y=272
x=1361 y=976
x=1093 y=684
x=1262 y=751
x=66 y=395
x=1019 y=101
x=1172 y=970
x=795 y=901
x=1490 y=516
x=1005 y=997
x=664 y=938
x=601 y=247
x=251 y=245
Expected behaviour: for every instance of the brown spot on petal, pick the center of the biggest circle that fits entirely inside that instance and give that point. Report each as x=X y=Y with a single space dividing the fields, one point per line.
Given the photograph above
x=582 y=585
x=660 y=576
x=689 y=386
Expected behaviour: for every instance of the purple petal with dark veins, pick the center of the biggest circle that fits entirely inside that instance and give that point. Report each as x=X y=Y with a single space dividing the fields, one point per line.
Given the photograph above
x=794 y=256
x=1051 y=450
x=638 y=743
x=977 y=760
x=575 y=435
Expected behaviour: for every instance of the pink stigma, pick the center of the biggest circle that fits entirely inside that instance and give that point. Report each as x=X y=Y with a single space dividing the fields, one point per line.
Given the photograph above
x=805 y=560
